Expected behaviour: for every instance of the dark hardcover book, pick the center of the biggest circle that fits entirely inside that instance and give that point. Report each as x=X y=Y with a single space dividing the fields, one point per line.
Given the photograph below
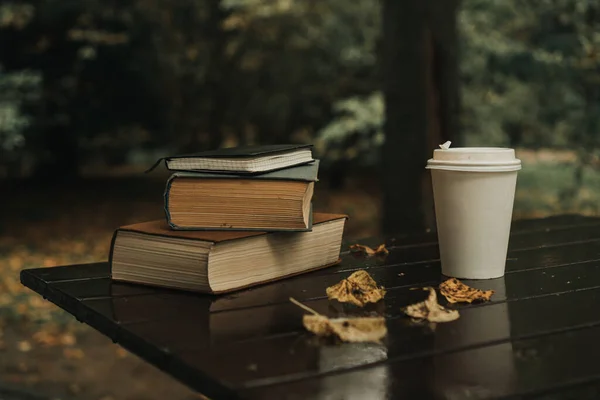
x=219 y=261
x=274 y=201
x=241 y=160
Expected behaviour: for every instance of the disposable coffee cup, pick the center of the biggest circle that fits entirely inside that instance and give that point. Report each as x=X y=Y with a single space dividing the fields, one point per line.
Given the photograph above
x=474 y=192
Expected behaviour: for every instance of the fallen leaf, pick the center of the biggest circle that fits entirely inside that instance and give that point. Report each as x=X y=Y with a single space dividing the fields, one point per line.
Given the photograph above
x=74 y=388
x=252 y=367
x=24 y=346
x=358 y=289
x=431 y=310
x=68 y=339
x=363 y=329
x=45 y=338
x=457 y=292
x=369 y=251
x=73 y=354
x=121 y=352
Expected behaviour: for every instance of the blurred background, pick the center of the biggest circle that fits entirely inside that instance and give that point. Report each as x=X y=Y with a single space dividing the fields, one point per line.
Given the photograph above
x=93 y=92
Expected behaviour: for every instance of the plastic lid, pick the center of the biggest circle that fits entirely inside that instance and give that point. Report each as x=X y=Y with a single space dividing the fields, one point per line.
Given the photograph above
x=484 y=159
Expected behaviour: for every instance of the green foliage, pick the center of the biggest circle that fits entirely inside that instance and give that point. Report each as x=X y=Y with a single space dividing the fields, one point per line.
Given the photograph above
x=523 y=66
x=356 y=133
x=530 y=76
x=17 y=89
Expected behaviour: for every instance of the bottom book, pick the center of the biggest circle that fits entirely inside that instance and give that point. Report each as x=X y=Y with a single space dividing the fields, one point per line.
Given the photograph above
x=221 y=261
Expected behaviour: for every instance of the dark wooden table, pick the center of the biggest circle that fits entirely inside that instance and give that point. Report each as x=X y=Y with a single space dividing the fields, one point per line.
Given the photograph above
x=537 y=337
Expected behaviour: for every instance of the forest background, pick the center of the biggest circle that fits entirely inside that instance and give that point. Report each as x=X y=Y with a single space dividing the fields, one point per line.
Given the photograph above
x=93 y=92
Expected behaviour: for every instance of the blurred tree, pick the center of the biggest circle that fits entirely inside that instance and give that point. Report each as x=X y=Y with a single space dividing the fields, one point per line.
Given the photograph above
x=202 y=73
x=542 y=82
x=196 y=73
x=77 y=47
x=17 y=91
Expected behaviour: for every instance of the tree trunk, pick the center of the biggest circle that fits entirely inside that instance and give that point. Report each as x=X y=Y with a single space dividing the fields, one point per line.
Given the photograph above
x=420 y=78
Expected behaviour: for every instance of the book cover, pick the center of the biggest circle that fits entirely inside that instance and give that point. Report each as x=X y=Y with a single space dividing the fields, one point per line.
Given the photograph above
x=282 y=254
x=240 y=152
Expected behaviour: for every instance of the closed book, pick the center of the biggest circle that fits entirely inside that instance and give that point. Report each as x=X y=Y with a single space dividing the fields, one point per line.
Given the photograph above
x=276 y=201
x=241 y=160
x=219 y=261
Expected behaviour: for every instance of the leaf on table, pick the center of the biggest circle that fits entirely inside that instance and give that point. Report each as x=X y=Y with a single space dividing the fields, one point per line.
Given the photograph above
x=457 y=292
x=431 y=310
x=359 y=248
x=358 y=289
x=361 y=329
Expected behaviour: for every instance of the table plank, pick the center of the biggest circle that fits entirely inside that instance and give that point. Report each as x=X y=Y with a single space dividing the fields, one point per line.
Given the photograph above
x=284 y=318
x=312 y=287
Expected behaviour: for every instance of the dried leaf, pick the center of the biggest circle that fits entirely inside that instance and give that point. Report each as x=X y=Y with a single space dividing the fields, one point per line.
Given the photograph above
x=45 y=338
x=369 y=251
x=431 y=310
x=252 y=367
x=358 y=289
x=121 y=352
x=24 y=346
x=457 y=292
x=364 y=329
x=73 y=354
x=67 y=339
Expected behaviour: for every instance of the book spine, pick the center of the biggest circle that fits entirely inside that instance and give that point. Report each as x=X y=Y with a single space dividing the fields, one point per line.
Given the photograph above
x=112 y=249
x=264 y=230
x=166 y=200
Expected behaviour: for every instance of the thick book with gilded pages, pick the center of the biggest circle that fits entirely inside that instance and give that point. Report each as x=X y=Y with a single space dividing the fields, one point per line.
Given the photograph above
x=241 y=160
x=152 y=253
x=274 y=201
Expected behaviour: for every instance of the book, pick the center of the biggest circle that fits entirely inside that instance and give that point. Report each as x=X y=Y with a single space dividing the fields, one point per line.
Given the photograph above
x=274 y=201
x=241 y=159
x=221 y=261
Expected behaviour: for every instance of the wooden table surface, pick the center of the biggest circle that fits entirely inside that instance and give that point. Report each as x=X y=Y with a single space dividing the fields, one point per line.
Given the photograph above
x=536 y=337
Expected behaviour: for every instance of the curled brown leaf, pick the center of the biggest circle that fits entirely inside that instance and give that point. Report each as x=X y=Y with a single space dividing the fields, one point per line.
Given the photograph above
x=431 y=310
x=363 y=329
x=457 y=292
x=358 y=289
x=380 y=250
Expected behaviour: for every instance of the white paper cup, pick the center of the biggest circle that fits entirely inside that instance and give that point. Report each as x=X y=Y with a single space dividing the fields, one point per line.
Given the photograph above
x=473 y=191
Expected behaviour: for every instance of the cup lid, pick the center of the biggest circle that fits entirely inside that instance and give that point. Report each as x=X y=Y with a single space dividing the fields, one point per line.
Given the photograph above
x=475 y=158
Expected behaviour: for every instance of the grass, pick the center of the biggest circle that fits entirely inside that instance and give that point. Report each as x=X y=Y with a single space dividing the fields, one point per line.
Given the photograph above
x=548 y=188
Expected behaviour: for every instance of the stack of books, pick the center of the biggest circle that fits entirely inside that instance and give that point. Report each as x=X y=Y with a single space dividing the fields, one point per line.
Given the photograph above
x=234 y=218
